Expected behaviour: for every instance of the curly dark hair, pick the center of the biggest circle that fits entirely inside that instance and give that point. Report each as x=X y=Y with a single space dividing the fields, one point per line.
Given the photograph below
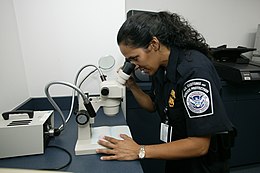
x=169 y=28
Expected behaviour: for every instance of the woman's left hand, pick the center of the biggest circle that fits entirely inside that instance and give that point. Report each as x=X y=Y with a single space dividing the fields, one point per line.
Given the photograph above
x=126 y=149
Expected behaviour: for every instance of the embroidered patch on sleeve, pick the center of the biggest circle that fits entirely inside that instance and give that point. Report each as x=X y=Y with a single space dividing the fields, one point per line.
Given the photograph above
x=197 y=98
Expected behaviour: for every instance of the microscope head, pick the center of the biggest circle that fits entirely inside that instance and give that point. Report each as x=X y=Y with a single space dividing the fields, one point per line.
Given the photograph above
x=112 y=91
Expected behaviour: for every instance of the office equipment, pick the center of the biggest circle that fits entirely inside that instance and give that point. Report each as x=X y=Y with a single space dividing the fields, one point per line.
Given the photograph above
x=67 y=140
x=21 y=134
x=223 y=54
x=112 y=93
x=233 y=67
x=53 y=158
x=238 y=73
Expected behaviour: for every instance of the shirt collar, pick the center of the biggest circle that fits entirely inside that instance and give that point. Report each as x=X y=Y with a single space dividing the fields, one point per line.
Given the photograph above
x=171 y=68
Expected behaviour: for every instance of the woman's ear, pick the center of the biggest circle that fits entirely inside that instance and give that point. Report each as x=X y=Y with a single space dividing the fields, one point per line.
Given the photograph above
x=155 y=44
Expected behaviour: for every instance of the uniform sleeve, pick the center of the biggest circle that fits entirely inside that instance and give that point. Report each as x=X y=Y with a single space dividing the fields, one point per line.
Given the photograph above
x=151 y=92
x=205 y=112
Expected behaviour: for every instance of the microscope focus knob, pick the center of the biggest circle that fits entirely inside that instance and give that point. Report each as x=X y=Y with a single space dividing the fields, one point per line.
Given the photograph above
x=105 y=91
x=82 y=117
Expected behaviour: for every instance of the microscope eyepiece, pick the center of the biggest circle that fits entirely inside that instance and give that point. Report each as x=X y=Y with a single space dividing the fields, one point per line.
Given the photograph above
x=128 y=67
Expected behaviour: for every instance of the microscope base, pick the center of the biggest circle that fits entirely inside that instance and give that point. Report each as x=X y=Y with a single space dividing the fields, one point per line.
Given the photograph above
x=86 y=147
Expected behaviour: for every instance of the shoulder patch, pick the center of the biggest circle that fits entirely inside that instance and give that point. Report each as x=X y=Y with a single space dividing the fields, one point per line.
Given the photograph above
x=197 y=98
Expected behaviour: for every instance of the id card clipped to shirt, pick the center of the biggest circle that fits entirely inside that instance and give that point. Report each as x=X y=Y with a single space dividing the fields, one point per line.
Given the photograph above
x=166 y=132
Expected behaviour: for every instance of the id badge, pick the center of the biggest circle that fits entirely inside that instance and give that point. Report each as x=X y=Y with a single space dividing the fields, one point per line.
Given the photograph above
x=166 y=133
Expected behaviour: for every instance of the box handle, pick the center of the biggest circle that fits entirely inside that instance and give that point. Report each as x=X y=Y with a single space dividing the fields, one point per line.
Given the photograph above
x=6 y=114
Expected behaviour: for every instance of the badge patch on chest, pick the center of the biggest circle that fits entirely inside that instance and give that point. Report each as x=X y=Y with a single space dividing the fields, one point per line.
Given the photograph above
x=197 y=98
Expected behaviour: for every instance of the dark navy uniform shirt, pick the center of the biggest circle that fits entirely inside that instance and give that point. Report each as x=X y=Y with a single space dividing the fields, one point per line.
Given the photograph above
x=187 y=94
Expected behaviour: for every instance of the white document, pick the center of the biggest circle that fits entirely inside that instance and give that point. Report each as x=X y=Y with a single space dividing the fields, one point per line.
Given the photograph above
x=84 y=147
x=112 y=131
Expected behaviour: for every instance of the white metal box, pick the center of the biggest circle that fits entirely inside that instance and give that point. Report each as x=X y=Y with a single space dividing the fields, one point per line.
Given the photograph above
x=21 y=135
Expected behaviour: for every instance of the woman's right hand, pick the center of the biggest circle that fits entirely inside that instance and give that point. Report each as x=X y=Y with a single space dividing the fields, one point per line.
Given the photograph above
x=130 y=83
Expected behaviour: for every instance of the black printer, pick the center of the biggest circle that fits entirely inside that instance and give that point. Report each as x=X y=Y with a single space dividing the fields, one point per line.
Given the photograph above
x=233 y=66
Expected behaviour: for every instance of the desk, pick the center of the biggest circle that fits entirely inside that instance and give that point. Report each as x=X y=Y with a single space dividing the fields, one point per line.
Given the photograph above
x=53 y=158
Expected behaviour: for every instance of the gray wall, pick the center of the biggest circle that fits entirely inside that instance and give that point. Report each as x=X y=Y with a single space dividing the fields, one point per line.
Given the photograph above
x=13 y=82
x=231 y=22
x=46 y=40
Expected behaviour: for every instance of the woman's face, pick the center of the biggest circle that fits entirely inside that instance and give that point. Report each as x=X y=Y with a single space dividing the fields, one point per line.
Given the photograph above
x=146 y=59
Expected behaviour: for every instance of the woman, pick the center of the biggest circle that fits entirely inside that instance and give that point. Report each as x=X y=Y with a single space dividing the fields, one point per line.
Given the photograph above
x=185 y=93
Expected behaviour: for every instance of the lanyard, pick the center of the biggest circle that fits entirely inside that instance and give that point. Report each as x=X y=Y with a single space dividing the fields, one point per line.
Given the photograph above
x=166 y=111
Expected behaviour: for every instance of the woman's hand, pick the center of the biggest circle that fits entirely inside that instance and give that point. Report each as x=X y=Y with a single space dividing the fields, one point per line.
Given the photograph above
x=126 y=149
x=130 y=83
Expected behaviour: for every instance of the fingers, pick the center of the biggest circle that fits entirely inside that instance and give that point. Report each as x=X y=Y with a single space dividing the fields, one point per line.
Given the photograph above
x=111 y=142
x=109 y=157
x=117 y=149
x=125 y=137
x=106 y=151
x=110 y=154
x=111 y=139
x=107 y=143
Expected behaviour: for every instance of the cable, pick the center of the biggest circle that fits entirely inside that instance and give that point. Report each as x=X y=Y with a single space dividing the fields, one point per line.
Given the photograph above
x=75 y=83
x=102 y=76
x=84 y=97
x=86 y=77
x=64 y=121
x=67 y=164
